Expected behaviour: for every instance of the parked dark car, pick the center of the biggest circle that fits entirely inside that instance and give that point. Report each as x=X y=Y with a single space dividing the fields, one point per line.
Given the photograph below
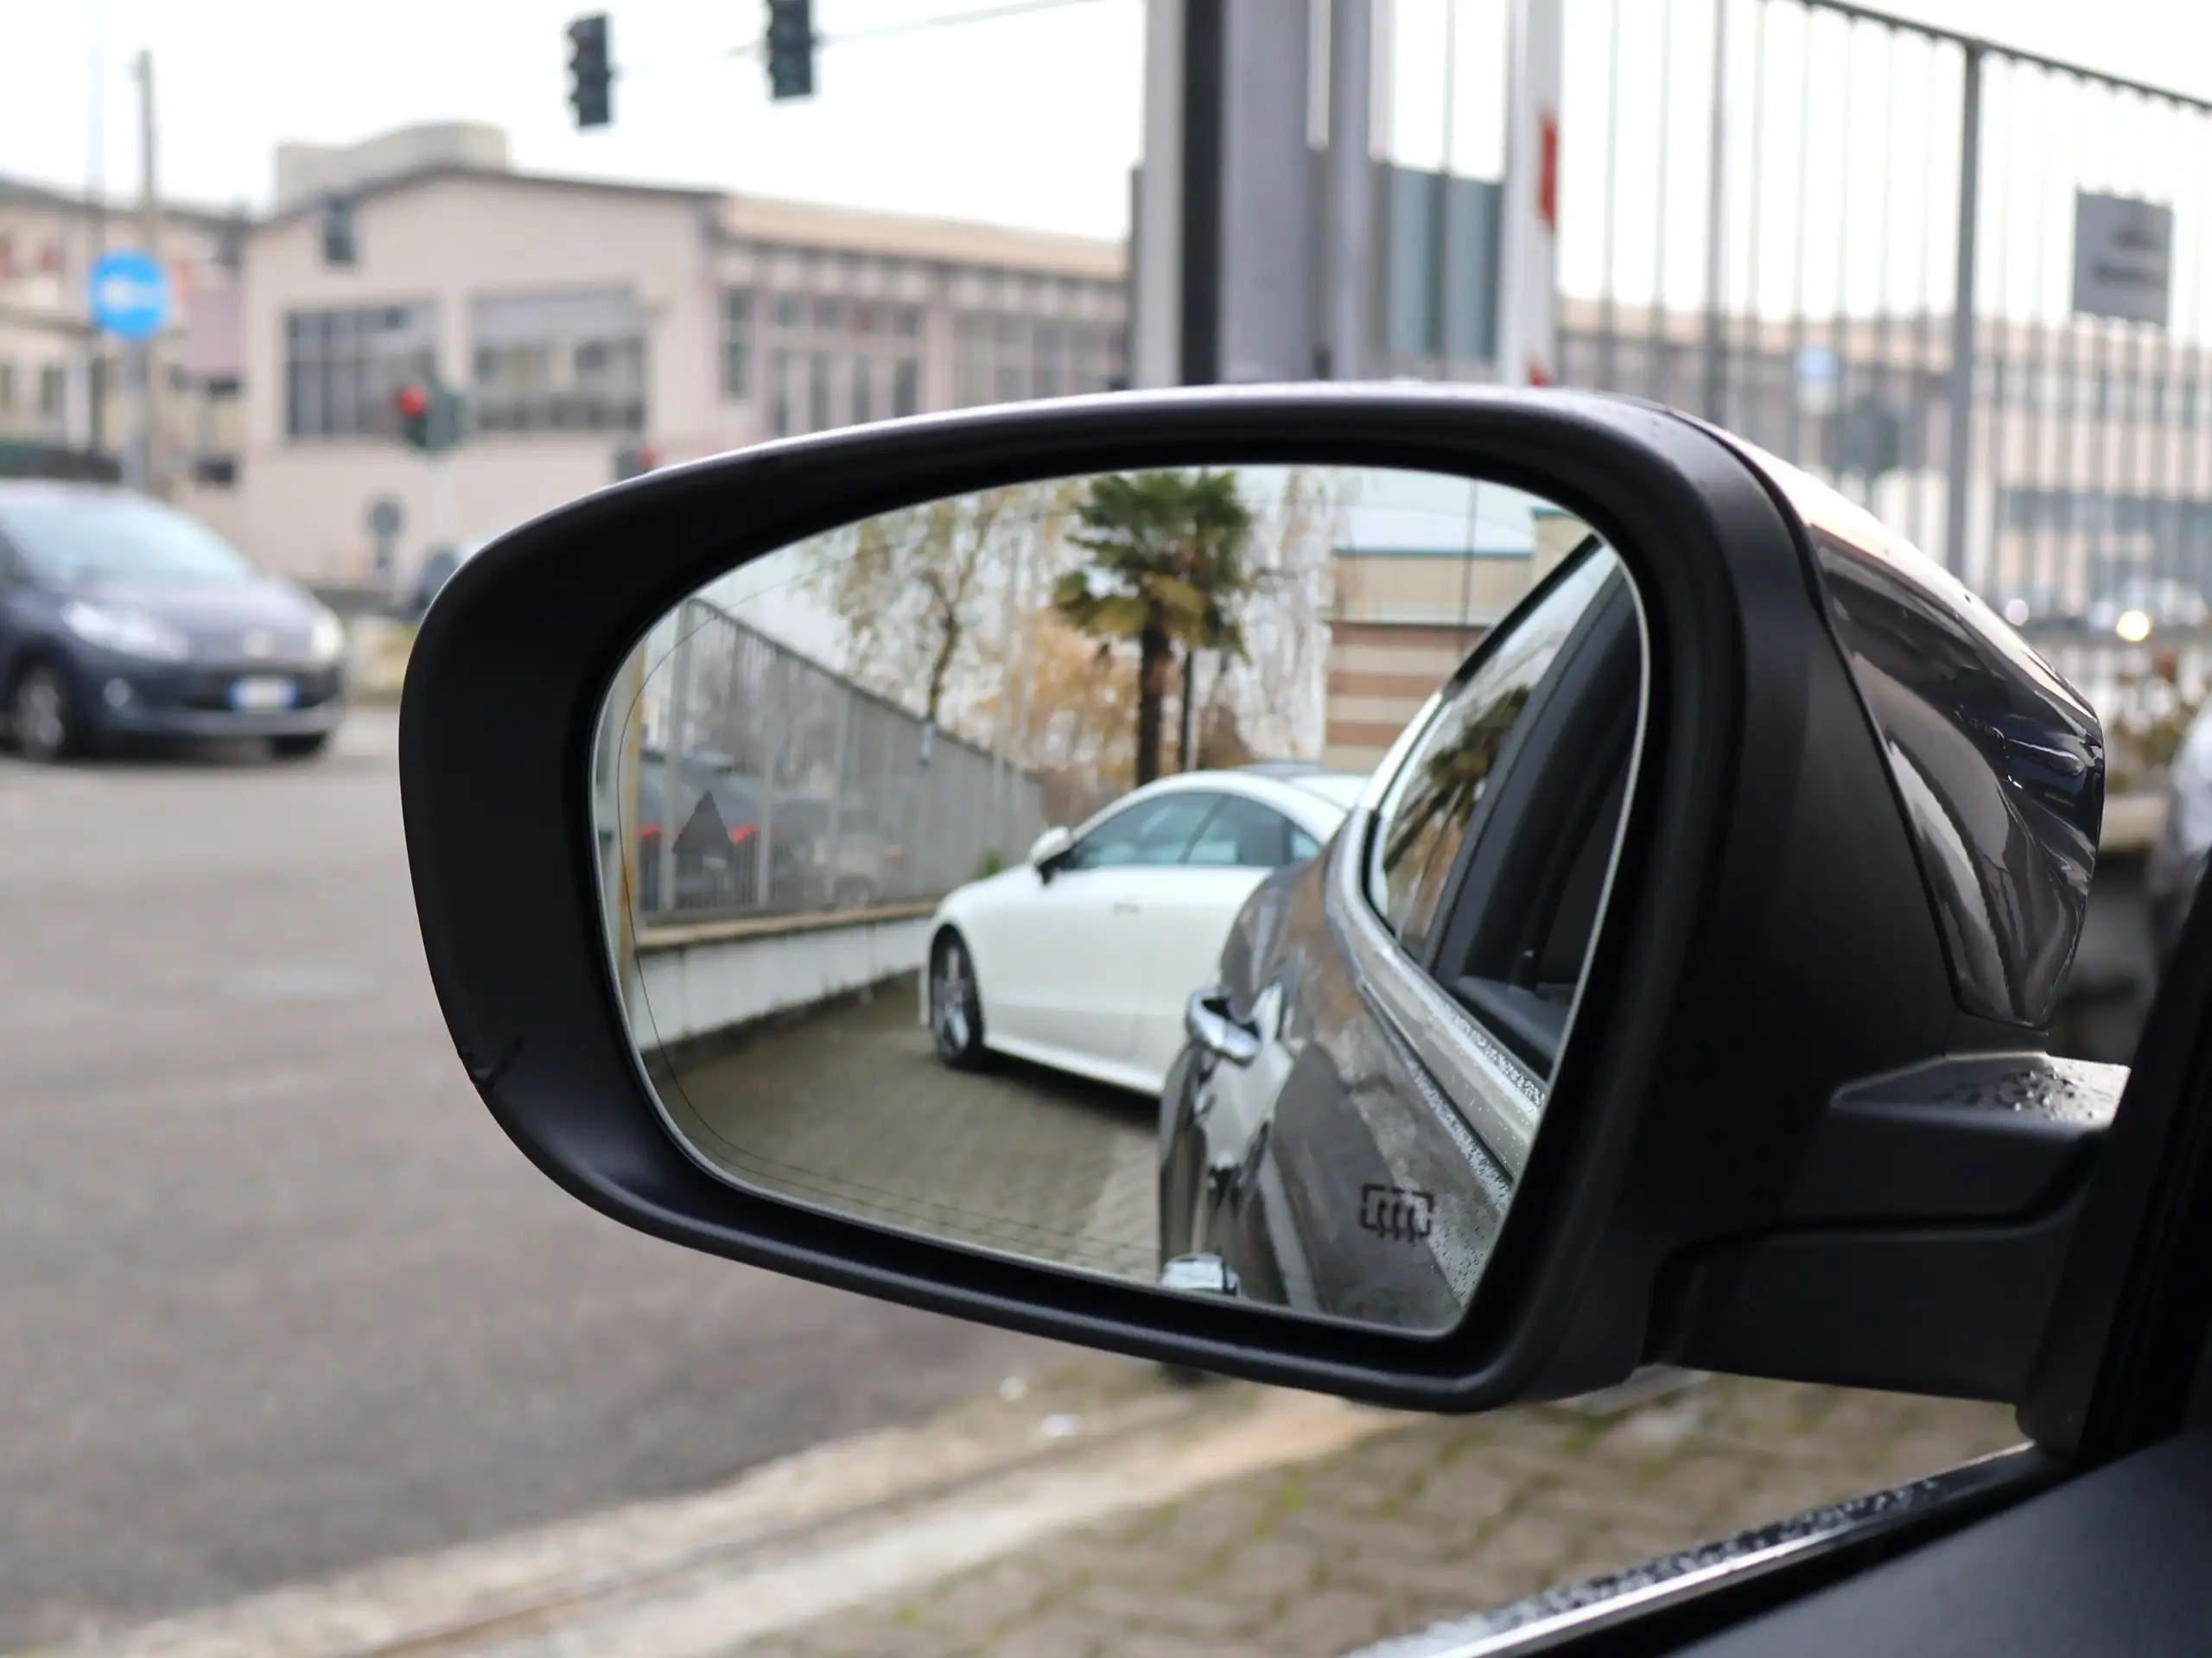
x=718 y=836
x=121 y=617
x=857 y=861
x=2178 y=856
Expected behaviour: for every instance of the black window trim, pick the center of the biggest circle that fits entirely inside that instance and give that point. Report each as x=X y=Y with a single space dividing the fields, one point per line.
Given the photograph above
x=1449 y=942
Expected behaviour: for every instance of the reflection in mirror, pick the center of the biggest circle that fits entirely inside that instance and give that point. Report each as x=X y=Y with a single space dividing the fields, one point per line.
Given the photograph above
x=1183 y=876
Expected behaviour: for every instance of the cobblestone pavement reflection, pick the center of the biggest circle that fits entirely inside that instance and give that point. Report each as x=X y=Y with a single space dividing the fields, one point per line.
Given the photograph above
x=851 y=1110
x=1438 y=1519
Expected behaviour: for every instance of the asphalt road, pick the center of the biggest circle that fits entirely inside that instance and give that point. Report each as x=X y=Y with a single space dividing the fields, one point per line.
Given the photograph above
x=275 y=1296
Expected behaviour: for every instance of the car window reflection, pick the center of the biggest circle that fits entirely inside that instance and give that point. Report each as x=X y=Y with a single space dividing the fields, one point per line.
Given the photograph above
x=1425 y=817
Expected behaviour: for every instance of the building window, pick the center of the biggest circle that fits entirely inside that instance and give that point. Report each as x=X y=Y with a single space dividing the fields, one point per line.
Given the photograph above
x=52 y=390
x=817 y=394
x=559 y=361
x=737 y=345
x=1051 y=357
x=1001 y=357
x=863 y=402
x=907 y=386
x=344 y=369
x=780 y=366
x=906 y=321
x=790 y=311
x=7 y=387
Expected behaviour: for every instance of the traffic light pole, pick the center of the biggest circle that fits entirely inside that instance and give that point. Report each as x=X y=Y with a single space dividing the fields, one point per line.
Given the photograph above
x=441 y=515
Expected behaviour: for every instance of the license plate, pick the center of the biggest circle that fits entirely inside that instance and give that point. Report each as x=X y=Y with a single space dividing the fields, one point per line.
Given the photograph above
x=260 y=693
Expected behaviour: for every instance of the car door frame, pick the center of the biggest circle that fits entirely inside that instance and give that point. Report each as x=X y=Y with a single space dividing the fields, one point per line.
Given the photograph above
x=1079 y=970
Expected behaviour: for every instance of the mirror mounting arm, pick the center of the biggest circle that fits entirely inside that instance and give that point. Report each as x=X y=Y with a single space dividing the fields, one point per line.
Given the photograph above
x=1919 y=1245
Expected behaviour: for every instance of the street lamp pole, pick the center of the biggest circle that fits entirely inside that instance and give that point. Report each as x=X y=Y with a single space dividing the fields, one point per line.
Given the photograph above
x=152 y=476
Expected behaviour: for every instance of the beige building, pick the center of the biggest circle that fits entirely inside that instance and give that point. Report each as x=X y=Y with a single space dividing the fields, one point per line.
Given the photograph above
x=62 y=388
x=1404 y=621
x=582 y=318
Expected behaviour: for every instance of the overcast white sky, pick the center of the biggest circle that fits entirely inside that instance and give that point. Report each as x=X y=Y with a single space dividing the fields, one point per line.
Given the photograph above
x=1027 y=119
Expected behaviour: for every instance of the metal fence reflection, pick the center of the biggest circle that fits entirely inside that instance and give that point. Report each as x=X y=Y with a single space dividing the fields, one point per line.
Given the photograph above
x=754 y=782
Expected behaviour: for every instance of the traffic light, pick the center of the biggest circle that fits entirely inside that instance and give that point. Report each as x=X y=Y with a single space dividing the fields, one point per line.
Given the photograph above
x=790 y=48
x=413 y=404
x=431 y=417
x=591 y=91
x=340 y=250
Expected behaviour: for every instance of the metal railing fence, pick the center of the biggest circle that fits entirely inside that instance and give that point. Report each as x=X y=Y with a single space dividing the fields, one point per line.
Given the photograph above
x=1964 y=283
x=754 y=782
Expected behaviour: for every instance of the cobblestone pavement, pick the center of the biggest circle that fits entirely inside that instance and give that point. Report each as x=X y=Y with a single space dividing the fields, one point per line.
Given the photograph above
x=851 y=1110
x=1440 y=1519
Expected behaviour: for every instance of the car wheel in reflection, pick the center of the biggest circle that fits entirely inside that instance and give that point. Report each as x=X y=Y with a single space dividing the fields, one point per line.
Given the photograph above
x=45 y=721
x=956 y=1004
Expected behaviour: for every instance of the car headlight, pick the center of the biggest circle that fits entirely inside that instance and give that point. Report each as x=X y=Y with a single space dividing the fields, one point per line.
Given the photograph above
x=129 y=632
x=326 y=639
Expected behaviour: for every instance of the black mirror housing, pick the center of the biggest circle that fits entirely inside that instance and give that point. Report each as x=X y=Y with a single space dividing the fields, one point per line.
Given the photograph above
x=1774 y=938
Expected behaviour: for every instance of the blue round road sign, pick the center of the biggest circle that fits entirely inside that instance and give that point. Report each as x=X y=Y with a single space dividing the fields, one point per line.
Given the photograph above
x=128 y=295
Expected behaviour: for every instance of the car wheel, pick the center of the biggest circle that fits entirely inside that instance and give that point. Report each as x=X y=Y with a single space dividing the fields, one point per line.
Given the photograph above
x=955 y=1005
x=46 y=726
x=300 y=749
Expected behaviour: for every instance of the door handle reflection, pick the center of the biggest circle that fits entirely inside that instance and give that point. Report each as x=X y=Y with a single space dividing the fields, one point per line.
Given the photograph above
x=1213 y=1027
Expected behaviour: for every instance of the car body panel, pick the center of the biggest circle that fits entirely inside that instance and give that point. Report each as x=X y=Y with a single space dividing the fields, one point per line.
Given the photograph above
x=1359 y=1161
x=1333 y=1168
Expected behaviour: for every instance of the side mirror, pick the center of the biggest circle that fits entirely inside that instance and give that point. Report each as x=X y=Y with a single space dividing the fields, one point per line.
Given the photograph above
x=1052 y=844
x=1649 y=1007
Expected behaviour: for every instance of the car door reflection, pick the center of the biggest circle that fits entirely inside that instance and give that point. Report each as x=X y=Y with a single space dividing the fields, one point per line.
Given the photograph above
x=1343 y=1131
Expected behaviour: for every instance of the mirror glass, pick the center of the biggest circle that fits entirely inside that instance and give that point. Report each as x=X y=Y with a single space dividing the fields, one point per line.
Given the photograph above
x=1181 y=876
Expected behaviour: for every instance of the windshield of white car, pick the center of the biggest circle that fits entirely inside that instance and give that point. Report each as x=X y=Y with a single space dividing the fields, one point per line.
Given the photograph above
x=1340 y=789
x=73 y=538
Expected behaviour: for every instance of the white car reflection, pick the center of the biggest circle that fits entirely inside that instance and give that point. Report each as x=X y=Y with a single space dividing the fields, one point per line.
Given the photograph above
x=1083 y=957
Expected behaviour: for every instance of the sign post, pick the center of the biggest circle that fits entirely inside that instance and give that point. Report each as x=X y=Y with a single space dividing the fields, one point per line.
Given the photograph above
x=384 y=521
x=127 y=297
x=1528 y=306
